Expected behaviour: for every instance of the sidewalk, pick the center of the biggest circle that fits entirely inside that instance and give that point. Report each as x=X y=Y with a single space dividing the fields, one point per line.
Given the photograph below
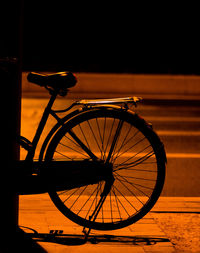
x=172 y=226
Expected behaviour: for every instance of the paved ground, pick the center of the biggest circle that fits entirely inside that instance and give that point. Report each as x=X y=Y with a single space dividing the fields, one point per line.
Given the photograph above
x=172 y=226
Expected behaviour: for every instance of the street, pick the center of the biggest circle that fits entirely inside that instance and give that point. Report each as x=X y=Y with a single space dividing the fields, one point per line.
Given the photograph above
x=177 y=125
x=178 y=128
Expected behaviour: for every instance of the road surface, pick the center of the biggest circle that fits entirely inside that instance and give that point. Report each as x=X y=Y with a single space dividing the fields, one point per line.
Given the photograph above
x=177 y=125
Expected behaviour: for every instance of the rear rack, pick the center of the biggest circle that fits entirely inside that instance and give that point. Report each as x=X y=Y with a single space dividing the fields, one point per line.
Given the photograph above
x=126 y=100
x=96 y=102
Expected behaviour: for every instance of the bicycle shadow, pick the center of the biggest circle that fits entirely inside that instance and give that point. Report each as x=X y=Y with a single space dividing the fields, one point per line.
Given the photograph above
x=20 y=241
x=57 y=236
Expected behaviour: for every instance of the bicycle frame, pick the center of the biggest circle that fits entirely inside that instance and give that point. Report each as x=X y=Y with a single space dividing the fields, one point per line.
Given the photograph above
x=29 y=167
x=40 y=128
x=31 y=146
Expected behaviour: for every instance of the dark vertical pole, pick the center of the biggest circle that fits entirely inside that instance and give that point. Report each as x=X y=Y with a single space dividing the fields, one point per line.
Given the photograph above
x=12 y=239
x=10 y=104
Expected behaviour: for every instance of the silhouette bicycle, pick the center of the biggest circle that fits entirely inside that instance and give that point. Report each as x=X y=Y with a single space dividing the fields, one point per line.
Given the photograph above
x=102 y=164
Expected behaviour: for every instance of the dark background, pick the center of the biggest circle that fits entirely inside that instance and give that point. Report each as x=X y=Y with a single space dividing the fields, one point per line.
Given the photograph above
x=118 y=38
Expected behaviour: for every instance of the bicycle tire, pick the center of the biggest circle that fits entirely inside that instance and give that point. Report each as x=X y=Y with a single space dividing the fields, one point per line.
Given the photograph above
x=138 y=167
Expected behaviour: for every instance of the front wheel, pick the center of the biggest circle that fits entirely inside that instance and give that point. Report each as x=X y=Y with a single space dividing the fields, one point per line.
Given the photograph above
x=124 y=140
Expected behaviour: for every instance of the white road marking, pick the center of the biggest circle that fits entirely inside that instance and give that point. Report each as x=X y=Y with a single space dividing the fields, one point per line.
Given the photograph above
x=172 y=119
x=177 y=133
x=183 y=155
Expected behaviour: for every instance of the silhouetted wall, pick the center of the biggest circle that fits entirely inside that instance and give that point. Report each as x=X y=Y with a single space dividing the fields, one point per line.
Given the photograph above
x=109 y=38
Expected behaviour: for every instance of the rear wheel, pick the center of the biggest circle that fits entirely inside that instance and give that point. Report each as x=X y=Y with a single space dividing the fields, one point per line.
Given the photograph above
x=124 y=140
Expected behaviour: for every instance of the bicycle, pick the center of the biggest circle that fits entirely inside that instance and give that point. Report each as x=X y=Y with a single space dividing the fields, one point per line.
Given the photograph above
x=102 y=164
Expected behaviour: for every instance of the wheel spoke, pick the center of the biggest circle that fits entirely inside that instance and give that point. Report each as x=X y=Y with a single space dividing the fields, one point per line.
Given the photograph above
x=132 y=184
x=115 y=140
x=128 y=149
x=84 y=136
x=96 y=189
x=140 y=160
x=82 y=145
x=116 y=200
x=121 y=202
x=109 y=137
x=72 y=194
x=78 y=197
x=124 y=143
x=73 y=149
x=100 y=145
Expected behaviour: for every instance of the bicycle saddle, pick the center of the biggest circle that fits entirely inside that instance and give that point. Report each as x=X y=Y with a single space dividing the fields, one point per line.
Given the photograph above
x=57 y=81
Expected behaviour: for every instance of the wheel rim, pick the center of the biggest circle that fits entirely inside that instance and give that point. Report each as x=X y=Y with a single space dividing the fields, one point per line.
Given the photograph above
x=135 y=170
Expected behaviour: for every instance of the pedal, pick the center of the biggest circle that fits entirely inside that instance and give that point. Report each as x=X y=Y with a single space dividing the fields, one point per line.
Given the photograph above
x=25 y=143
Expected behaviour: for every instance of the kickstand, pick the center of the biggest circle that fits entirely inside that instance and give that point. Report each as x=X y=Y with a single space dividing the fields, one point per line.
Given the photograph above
x=98 y=207
x=94 y=216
